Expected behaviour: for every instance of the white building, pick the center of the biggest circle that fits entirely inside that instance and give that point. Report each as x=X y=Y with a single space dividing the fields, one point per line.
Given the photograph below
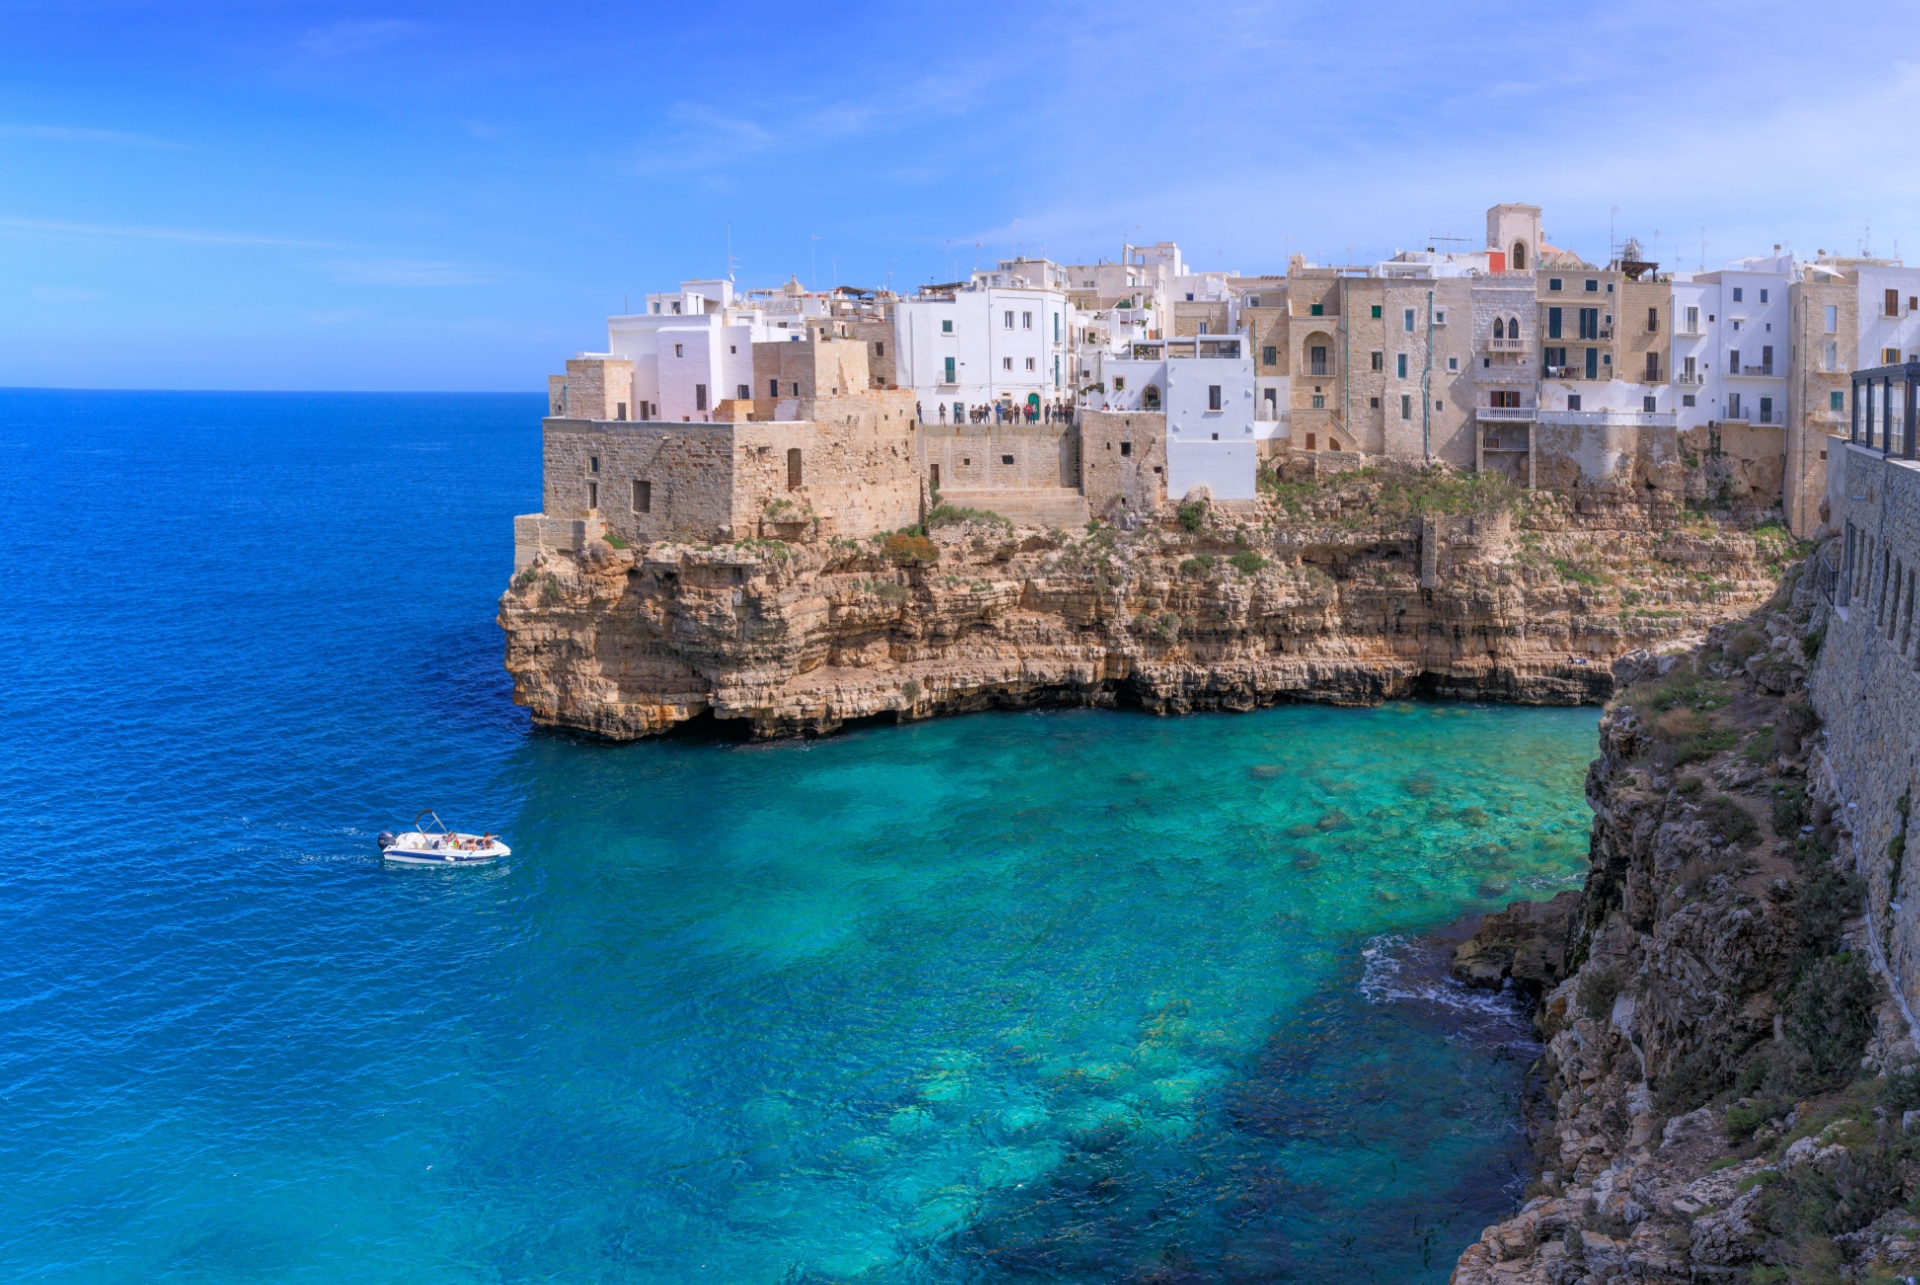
x=1205 y=386
x=1000 y=339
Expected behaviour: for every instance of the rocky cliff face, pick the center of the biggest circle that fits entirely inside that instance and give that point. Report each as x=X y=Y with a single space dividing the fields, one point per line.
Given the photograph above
x=1718 y=1051
x=1370 y=585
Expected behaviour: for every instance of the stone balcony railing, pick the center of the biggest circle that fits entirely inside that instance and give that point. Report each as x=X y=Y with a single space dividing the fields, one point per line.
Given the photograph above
x=1603 y=418
x=1504 y=414
x=1506 y=345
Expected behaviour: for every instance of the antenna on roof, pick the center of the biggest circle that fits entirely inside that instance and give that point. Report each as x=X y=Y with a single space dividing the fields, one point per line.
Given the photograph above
x=731 y=261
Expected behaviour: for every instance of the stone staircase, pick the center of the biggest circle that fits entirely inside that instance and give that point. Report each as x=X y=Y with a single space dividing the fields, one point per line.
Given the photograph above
x=1034 y=506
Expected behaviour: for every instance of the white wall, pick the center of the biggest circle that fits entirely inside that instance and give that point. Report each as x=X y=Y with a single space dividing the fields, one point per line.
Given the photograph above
x=993 y=360
x=1207 y=447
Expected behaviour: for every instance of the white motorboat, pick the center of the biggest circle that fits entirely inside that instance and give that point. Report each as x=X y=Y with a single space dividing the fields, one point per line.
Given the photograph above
x=435 y=845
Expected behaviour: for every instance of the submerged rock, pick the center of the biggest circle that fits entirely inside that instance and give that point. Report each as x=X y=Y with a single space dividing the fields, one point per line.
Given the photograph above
x=1528 y=942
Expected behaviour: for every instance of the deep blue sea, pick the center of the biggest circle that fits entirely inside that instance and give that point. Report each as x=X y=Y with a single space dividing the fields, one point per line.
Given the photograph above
x=1057 y=996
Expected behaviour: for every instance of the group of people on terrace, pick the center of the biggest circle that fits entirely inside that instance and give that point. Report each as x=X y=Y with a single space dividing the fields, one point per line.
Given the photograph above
x=998 y=413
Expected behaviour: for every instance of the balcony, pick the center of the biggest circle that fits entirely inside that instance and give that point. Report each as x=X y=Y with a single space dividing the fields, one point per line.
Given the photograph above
x=1506 y=345
x=1504 y=414
x=1601 y=374
x=1690 y=378
x=1752 y=372
x=1605 y=418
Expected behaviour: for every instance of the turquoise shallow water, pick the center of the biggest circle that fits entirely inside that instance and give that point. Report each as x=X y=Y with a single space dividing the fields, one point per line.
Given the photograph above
x=1068 y=996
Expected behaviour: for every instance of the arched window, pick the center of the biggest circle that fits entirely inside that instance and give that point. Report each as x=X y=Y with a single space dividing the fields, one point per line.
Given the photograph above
x=1150 y=397
x=1499 y=328
x=1513 y=327
x=1519 y=256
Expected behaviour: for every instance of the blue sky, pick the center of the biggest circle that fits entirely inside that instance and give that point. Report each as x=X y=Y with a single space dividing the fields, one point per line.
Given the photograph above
x=426 y=196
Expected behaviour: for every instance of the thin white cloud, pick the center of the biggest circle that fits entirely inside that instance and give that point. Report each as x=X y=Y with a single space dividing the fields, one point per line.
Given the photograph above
x=405 y=272
x=195 y=236
x=340 y=38
x=77 y=134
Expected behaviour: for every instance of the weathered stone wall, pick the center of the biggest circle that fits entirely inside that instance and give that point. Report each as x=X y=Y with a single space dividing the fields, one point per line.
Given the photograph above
x=593 y=388
x=688 y=469
x=877 y=333
x=807 y=369
x=1570 y=455
x=858 y=476
x=1810 y=413
x=1189 y=317
x=1123 y=460
x=1868 y=691
x=1635 y=338
x=977 y=457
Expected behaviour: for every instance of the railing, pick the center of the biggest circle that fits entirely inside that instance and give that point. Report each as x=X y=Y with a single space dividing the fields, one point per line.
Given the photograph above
x=1504 y=414
x=1826 y=576
x=1596 y=418
x=1691 y=378
x=1762 y=372
x=1506 y=345
x=1563 y=372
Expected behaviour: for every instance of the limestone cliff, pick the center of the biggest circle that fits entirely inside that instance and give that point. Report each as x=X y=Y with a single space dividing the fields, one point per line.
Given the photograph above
x=1379 y=583
x=1717 y=1059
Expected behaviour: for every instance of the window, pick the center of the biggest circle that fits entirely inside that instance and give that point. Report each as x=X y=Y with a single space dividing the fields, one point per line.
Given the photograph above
x=1406 y=406
x=679 y=350
x=773 y=385
x=1506 y=398
x=1763 y=295
x=1693 y=321
x=1056 y=327
x=1653 y=367
x=1030 y=364
x=1400 y=365
x=1189 y=296
x=946 y=327
x=699 y=396
x=1733 y=361
x=1309 y=441
x=642 y=496
x=1649 y=404
x=1893 y=303
x=1006 y=363
x=1653 y=320
x=1439 y=405
x=1686 y=399
x=593 y=463
x=1453 y=363
x=1589 y=323
x=1554 y=323
x=1126 y=448
x=621 y=411
x=1406 y=320
x=593 y=495
x=1738 y=294
x=1006 y=459
x=1593 y=364
x=744 y=393
x=1213 y=397
x=879 y=350
x=1736 y=325
x=1499 y=328
x=1316 y=310
x=1836 y=400
x=950 y=375
x=793 y=458
x=1203 y=327
x=1119 y=383
x=1376 y=312
x=1556 y=361
x=1766 y=359
x=1378 y=360
x=1733 y=406
x=1553 y=283
x=1573 y=401
x=1833 y=319
x=1026 y=321
x=1270 y=356
x=1439 y=316
x=1593 y=286
x=1373 y=402
x=1319 y=402
x=1833 y=356
x=1009 y=319
x=1317 y=360
x=1766 y=410
x=1889 y=356
x=1519 y=256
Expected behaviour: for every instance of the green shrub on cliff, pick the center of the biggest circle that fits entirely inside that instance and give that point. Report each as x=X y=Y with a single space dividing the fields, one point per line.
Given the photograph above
x=1247 y=562
x=952 y=515
x=1193 y=515
x=1728 y=822
x=1830 y=1015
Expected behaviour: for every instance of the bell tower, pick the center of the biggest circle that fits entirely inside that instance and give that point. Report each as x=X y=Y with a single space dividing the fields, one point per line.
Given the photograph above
x=1514 y=230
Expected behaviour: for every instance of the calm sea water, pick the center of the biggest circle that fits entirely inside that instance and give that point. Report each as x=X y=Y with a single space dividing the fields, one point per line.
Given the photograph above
x=1066 y=996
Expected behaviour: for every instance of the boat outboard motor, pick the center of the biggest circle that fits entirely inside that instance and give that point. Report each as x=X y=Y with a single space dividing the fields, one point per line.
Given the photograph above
x=385 y=840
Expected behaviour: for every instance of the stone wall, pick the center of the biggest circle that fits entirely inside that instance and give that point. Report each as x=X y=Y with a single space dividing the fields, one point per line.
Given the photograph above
x=1634 y=339
x=877 y=333
x=1567 y=456
x=1810 y=416
x=854 y=479
x=1123 y=461
x=593 y=388
x=1189 y=317
x=1867 y=688
x=685 y=472
x=977 y=457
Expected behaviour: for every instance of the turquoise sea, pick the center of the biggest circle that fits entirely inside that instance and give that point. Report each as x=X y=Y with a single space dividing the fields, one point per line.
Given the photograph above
x=1054 y=996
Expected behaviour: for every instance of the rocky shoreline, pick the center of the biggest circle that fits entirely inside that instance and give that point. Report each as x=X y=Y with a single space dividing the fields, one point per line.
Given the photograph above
x=1387 y=582
x=1731 y=1093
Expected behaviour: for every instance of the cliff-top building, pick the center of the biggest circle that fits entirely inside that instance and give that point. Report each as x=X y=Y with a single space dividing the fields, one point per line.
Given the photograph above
x=1056 y=392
